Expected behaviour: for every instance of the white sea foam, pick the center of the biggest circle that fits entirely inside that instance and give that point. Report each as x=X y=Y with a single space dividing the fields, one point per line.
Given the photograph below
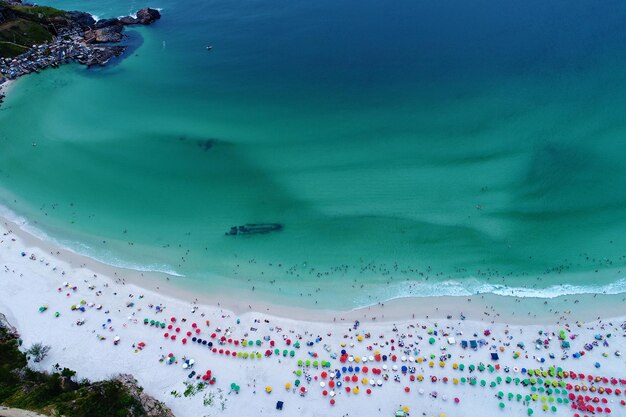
x=472 y=286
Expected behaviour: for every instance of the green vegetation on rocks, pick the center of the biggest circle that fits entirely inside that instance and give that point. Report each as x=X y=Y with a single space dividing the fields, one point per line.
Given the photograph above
x=56 y=393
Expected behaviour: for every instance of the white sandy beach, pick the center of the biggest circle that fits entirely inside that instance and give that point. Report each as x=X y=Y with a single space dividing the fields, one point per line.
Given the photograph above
x=35 y=275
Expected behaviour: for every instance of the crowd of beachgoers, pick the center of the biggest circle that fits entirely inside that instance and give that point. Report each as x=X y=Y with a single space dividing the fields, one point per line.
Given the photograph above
x=204 y=360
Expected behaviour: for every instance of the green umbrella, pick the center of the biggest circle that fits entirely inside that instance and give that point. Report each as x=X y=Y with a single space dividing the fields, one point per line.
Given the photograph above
x=530 y=411
x=501 y=405
x=431 y=340
x=297 y=382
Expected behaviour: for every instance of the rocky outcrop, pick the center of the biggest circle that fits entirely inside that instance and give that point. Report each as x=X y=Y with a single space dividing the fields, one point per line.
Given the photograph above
x=148 y=15
x=4 y=324
x=81 y=18
x=151 y=406
x=129 y=20
x=105 y=23
x=109 y=34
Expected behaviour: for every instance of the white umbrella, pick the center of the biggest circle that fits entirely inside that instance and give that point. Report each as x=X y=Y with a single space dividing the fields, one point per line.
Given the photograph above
x=322 y=384
x=379 y=383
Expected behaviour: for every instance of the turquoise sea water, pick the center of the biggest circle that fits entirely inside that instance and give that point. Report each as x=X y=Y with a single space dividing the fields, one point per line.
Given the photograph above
x=409 y=148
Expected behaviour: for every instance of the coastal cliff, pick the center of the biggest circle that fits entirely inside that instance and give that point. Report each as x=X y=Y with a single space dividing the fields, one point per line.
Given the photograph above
x=36 y=37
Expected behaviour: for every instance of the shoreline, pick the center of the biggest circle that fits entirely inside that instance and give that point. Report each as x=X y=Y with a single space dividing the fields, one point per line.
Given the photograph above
x=4 y=89
x=485 y=307
x=100 y=326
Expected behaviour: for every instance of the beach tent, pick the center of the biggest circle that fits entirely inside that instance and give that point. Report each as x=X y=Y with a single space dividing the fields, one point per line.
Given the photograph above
x=400 y=413
x=464 y=344
x=279 y=405
x=494 y=356
x=473 y=344
x=451 y=341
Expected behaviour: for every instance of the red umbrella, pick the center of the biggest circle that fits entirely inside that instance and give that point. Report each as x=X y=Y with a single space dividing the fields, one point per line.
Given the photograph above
x=332 y=401
x=407 y=389
x=331 y=383
x=369 y=391
x=355 y=378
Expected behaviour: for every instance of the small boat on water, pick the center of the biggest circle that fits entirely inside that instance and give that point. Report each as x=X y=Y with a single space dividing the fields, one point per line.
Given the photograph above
x=254 y=228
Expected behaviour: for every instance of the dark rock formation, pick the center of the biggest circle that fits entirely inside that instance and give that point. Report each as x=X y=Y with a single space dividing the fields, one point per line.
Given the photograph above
x=81 y=18
x=68 y=385
x=129 y=20
x=148 y=15
x=105 y=23
x=108 y=34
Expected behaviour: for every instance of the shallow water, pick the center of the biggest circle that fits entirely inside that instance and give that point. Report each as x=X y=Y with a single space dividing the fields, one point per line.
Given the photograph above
x=420 y=148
